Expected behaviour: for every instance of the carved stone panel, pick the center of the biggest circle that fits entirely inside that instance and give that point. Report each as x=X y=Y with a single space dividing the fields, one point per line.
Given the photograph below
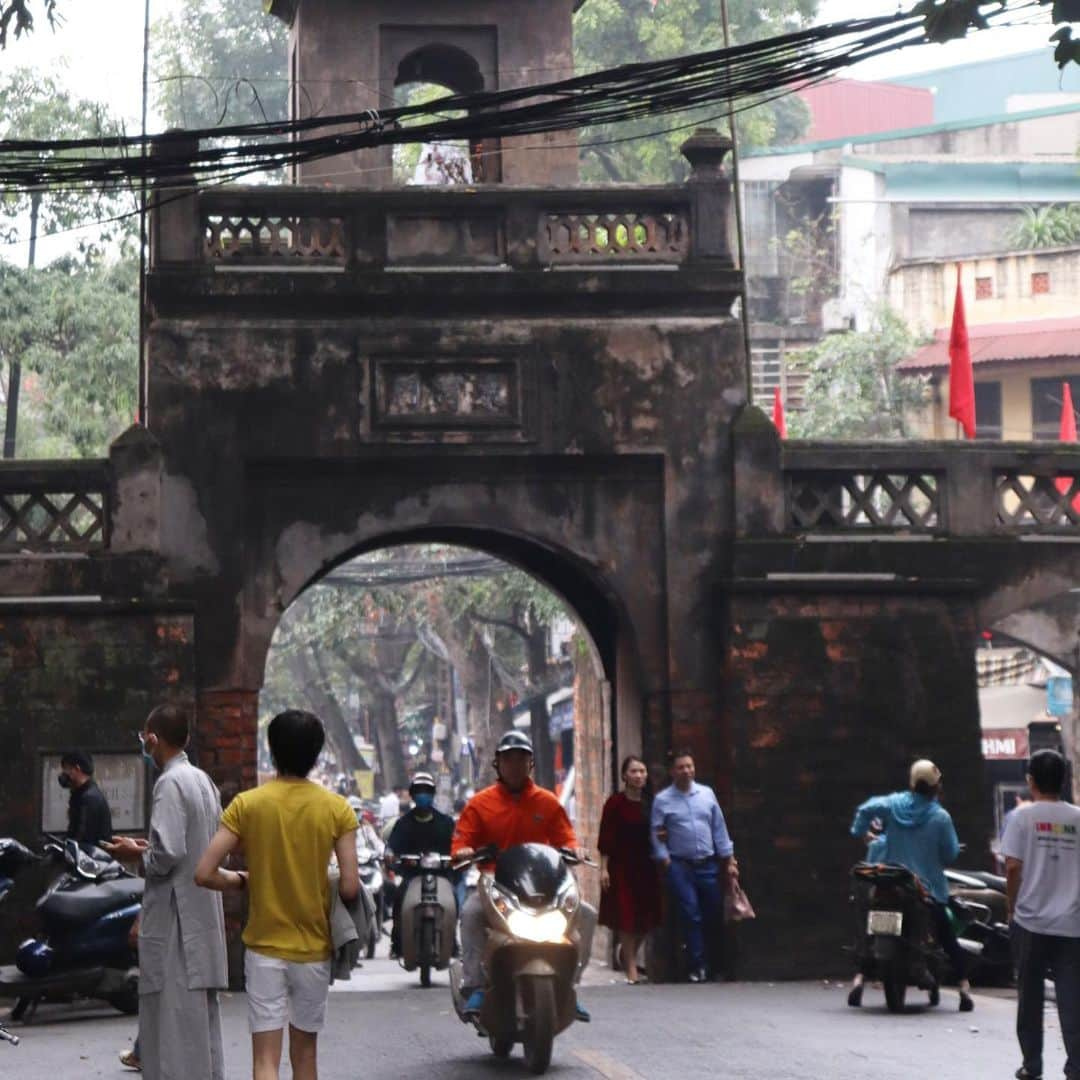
x=452 y=397
x=439 y=239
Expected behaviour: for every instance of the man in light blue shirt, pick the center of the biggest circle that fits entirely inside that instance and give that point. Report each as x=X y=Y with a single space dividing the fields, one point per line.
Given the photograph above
x=691 y=843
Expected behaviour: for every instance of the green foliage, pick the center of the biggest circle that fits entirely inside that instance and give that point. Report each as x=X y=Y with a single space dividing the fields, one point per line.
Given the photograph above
x=74 y=326
x=85 y=351
x=1047 y=226
x=218 y=61
x=854 y=390
x=36 y=106
x=612 y=32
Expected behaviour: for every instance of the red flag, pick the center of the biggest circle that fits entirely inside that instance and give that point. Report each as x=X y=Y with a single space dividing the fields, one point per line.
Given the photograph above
x=961 y=378
x=1067 y=433
x=1067 y=428
x=778 y=413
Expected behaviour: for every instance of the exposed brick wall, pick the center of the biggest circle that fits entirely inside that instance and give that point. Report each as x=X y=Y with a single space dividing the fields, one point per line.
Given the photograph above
x=226 y=738
x=592 y=757
x=829 y=701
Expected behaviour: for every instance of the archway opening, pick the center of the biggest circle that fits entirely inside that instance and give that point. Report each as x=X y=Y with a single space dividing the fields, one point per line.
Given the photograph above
x=425 y=75
x=421 y=655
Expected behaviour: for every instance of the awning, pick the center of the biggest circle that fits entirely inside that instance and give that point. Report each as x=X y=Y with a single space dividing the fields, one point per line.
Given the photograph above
x=1033 y=339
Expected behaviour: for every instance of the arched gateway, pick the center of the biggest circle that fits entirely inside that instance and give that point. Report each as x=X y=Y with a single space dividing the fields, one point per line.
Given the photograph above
x=551 y=373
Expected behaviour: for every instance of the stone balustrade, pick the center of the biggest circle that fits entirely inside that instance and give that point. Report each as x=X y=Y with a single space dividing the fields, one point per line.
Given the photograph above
x=846 y=489
x=294 y=228
x=52 y=506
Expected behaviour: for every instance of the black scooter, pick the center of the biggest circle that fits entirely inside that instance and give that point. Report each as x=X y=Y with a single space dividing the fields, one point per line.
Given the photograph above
x=86 y=913
x=894 y=939
x=533 y=908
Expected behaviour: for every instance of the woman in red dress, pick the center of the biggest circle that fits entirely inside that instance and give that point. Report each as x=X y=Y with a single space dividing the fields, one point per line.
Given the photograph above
x=630 y=901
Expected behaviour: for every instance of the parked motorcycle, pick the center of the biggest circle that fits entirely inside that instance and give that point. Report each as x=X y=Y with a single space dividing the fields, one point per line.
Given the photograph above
x=86 y=914
x=895 y=944
x=371 y=879
x=532 y=908
x=980 y=910
x=428 y=914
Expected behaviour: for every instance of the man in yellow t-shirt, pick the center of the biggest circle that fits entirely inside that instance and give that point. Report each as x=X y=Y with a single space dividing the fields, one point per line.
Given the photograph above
x=287 y=829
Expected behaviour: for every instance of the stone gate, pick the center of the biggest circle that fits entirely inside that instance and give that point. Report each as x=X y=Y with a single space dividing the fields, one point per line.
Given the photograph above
x=551 y=373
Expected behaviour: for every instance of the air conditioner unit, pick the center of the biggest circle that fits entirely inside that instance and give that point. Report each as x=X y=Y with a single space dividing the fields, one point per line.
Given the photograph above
x=837 y=316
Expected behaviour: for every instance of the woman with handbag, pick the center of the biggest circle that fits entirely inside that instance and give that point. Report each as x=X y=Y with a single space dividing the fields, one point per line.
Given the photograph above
x=630 y=901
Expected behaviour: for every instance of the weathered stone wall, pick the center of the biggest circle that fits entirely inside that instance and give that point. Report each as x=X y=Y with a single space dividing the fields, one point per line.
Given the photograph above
x=830 y=698
x=73 y=679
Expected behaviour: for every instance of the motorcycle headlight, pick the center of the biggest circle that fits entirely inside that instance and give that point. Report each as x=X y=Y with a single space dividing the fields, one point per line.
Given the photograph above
x=547 y=926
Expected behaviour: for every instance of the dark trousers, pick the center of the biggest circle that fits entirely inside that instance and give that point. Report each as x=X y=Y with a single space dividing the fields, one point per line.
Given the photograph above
x=946 y=935
x=695 y=887
x=1037 y=957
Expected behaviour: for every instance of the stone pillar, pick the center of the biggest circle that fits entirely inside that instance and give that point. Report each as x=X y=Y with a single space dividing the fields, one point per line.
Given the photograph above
x=711 y=192
x=759 y=477
x=226 y=745
x=136 y=466
x=175 y=236
x=226 y=738
x=831 y=699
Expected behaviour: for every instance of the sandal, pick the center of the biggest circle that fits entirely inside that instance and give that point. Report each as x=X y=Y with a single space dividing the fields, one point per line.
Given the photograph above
x=130 y=1060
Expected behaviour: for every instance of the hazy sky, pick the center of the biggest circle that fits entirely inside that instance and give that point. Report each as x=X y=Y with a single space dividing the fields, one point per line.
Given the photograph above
x=102 y=58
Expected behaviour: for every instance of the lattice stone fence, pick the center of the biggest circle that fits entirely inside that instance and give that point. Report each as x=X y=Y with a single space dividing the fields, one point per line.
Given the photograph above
x=54 y=506
x=847 y=489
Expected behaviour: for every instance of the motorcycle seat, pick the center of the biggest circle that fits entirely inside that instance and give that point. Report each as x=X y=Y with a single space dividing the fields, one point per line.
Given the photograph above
x=92 y=901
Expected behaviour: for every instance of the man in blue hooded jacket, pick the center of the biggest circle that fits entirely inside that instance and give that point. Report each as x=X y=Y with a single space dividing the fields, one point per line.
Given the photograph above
x=920 y=836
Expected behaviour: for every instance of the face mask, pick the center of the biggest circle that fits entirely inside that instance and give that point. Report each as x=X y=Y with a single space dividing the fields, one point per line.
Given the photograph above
x=147 y=756
x=424 y=800
x=64 y=780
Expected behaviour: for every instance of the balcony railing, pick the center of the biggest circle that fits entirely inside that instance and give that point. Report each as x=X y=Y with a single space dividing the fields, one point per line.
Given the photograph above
x=58 y=506
x=844 y=489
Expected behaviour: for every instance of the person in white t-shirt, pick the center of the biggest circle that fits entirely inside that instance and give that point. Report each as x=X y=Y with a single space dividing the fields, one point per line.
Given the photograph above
x=1041 y=846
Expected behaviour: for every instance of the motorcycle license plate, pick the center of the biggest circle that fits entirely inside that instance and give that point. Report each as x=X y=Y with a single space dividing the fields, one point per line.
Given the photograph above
x=885 y=923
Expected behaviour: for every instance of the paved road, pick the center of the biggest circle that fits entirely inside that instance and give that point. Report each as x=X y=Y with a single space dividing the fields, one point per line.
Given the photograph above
x=383 y=1026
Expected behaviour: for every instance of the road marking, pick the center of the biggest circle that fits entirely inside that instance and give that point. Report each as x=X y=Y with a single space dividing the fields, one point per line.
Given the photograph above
x=607 y=1067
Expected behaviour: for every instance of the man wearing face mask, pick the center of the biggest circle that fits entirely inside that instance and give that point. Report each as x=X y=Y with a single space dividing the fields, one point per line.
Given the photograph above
x=89 y=817
x=420 y=831
x=182 y=959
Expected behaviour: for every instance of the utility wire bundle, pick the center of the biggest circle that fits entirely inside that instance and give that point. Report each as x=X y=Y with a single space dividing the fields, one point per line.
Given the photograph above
x=741 y=76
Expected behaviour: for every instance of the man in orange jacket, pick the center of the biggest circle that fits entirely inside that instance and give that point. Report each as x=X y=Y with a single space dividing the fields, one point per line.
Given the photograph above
x=513 y=810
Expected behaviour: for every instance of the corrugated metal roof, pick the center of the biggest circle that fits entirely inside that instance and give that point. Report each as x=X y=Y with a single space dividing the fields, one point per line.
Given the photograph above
x=1033 y=339
x=850 y=107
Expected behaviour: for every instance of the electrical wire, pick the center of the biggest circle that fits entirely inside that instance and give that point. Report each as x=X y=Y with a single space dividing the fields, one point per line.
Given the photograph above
x=718 y=77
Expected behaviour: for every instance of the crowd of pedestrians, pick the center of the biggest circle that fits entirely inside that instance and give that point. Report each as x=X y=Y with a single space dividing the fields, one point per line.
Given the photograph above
x=665 y=852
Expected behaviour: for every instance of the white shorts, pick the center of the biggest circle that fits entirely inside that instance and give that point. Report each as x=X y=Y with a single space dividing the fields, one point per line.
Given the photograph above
x=280 y=991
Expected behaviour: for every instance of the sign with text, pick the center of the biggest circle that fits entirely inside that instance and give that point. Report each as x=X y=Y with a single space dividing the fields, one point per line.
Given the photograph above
x=1009 y=744
x=122 y=779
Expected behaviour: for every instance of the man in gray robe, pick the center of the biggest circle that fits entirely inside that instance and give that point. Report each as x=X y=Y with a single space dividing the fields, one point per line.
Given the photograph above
x=182 y=959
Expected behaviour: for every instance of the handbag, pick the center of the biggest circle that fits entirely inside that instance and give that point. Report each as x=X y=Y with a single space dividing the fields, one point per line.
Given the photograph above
x=737 y=906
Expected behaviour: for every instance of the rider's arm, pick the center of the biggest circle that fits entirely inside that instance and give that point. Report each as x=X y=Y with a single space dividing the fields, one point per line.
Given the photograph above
x=950 y=843
x=878 y=807
x=1014 y=876
x=467 y=836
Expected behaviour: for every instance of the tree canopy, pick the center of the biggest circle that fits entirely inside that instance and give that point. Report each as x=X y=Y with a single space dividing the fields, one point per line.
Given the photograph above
x=612 y=32
x=854 y=390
